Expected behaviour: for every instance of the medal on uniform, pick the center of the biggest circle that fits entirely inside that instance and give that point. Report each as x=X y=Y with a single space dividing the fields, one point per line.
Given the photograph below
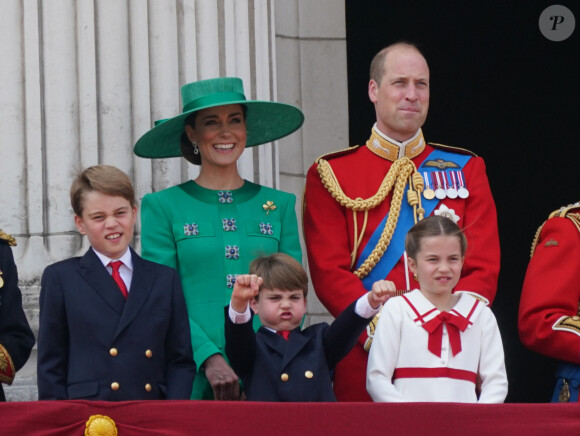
x=428 y=193
x=450 y=189
x=439 y=191
x=462 y=191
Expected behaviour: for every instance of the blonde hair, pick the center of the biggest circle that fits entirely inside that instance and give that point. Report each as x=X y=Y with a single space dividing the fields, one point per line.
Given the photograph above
x=106 y=179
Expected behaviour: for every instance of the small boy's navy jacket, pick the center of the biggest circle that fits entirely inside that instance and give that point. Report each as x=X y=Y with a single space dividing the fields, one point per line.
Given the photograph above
x=95 y=345
x=299 y=369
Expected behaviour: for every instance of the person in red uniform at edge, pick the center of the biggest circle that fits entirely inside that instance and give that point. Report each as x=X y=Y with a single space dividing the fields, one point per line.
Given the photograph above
x=549 y=318
x=356 y=209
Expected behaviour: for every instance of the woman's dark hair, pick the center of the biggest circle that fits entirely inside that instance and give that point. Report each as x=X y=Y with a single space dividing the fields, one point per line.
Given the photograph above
x=186 y=147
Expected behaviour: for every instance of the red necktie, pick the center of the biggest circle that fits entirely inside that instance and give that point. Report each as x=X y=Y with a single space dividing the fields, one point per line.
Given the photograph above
x=117 y=277
x=284 y=334
x=435 y=328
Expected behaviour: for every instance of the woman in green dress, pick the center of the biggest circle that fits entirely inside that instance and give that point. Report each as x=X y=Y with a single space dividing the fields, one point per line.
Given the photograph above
x=211 y=228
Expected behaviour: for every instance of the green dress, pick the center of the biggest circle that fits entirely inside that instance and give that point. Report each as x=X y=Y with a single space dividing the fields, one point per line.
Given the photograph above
x=210 y=237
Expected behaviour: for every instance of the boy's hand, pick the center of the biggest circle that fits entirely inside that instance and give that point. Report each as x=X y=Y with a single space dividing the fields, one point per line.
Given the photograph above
x=381 y=291
x=246 y=287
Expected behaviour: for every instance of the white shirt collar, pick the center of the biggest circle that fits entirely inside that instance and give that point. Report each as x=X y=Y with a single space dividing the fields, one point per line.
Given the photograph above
x=126 y=258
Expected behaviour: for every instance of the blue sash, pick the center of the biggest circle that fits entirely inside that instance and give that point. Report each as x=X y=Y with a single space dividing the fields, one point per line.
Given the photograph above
x=406 y=220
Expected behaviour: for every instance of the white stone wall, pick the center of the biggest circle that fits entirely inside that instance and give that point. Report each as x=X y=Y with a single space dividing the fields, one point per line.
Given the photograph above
x=83 y=79
x=311 y=72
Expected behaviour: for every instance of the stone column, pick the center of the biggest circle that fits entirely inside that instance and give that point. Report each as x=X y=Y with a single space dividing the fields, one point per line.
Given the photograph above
x=82 y=80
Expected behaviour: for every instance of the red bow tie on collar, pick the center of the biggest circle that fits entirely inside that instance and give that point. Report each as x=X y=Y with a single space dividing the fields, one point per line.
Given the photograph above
x=454 y=324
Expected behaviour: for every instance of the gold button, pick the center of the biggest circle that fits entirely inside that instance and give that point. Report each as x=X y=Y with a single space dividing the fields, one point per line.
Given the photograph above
x=113 y=352
x=576 y=317
x=115 y=386
x=308 y=374
x=148 y=353
x=148 y=387
x=284 y=377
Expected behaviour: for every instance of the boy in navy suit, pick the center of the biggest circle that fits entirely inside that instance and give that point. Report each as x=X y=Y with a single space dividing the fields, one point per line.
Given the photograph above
x=113 y=326
x=281 y=362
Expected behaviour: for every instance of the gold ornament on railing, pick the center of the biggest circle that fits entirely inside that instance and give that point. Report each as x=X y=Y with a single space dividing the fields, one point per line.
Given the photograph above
x=100 y=425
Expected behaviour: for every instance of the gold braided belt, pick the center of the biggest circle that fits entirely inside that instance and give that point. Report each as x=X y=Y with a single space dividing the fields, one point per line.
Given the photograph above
x=402 y=171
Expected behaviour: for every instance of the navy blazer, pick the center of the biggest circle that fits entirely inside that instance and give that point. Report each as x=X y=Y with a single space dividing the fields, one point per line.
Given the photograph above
x=95 y=345
x=299 y=369
x=16 y=337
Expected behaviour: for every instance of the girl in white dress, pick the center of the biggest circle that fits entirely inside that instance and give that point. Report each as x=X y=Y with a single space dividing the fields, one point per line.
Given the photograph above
x=431 y=344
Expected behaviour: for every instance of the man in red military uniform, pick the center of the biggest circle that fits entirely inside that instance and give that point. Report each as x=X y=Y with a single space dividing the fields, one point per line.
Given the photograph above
x=549 y=319
x=357 y=208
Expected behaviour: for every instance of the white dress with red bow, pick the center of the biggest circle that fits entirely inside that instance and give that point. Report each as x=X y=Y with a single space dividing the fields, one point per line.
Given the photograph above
x=421 y=354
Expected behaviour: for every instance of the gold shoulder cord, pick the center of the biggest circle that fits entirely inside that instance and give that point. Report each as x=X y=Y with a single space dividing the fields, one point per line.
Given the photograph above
x=536 y=238
x=402 y=171
x=575 y=217
x=8 y=238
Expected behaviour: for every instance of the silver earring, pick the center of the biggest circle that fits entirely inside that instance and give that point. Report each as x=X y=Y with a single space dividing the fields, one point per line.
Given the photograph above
x=195 y=148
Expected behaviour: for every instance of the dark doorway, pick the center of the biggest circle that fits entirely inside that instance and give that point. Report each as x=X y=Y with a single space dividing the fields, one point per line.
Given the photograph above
x=504 y=91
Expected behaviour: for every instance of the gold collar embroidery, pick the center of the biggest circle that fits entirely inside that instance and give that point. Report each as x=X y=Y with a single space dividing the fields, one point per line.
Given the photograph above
x=390 y=151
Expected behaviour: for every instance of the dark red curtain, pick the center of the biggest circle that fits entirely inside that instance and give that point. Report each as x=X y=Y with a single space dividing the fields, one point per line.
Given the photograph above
x=144 y=418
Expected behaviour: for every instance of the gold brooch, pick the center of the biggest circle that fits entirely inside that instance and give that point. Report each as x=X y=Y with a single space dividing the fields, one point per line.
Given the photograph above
x=268 y=206
x=551 y=243
x=100 y=425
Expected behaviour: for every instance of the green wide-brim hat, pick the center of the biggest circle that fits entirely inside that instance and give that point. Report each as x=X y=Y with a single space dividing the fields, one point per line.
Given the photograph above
x=265 y=120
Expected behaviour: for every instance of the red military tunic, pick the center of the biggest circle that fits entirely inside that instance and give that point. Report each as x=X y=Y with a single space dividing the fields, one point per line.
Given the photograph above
x=548 y=318
x=329 y=235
